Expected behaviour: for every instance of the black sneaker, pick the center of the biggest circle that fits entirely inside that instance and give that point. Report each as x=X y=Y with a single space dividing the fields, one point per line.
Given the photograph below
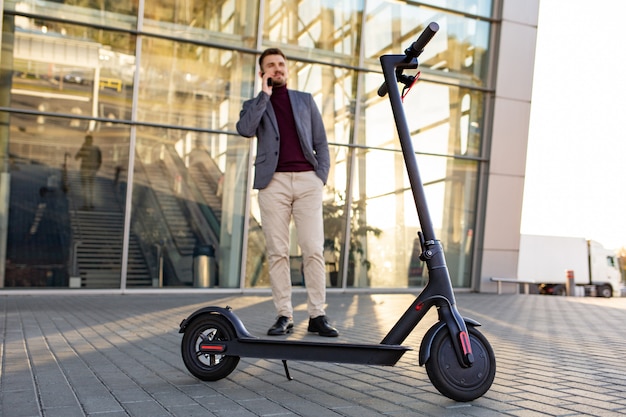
x=282 y=326
x=320 y=325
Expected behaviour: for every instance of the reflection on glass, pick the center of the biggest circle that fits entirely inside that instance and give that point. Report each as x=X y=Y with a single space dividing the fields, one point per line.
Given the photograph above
x=187 y=209
x=477 y=7
x=71 y=69
x=349 y=259
x=227 y=22
x=118 y=14
x=333 y=90
x=459 y=218
x=442 y=120
x=386 y=211
x=190 y=184
x=327 y=31
x=459 y=49
x=183 y=84
x=66 y=203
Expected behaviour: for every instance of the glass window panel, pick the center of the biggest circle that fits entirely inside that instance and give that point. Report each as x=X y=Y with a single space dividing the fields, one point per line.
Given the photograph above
x=188 y=199
x=387 y=223
x=333 y=90
x=442 y=119
x=66 y=209
x=194 y=76
x=225 y=22
x=458 y=52
x=322 y=30
x=114 y=14
x=187 y=85
x=476 y=7
x=71 y=74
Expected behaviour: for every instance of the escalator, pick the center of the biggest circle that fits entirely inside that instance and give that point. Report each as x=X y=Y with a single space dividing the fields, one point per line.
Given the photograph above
x=171 y=215
x=208 y=178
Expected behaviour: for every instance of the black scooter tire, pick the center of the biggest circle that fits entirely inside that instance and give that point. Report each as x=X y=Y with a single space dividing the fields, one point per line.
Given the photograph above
x=457 y=382
x=208 y=367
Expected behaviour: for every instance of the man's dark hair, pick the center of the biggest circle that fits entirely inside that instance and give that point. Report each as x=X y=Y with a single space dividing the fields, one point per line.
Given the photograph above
x=270 y=51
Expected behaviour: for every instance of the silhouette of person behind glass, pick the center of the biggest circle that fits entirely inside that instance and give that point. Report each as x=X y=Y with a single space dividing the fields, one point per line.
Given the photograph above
x=90 y=161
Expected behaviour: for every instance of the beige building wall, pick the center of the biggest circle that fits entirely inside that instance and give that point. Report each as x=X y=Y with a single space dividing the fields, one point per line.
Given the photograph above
x=511 y=118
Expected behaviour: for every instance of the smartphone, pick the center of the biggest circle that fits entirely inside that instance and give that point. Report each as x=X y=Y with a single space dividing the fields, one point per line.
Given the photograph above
x=269 y=82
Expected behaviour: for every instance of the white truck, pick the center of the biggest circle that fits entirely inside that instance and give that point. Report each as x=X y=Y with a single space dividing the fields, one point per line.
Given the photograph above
x=546 y=260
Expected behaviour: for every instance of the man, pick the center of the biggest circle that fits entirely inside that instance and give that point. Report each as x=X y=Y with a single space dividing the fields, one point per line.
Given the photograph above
x=292 y=166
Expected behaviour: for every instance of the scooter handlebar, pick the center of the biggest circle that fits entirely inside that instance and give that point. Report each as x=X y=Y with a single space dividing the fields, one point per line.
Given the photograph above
x=415 y=49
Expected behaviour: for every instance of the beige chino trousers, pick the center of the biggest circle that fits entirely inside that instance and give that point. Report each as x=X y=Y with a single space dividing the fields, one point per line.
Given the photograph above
x=297 y=194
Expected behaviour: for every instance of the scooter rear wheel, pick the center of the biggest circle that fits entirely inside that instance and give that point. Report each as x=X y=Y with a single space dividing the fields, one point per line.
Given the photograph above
x=202 y=365
x=455 y=381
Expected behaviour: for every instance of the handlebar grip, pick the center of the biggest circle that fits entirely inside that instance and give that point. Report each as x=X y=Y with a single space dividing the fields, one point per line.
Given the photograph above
x=425 y=37
x=382 y=90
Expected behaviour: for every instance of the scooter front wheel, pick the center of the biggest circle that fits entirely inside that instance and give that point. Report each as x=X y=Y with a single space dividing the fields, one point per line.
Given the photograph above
x=203 y=365
x=455 y=381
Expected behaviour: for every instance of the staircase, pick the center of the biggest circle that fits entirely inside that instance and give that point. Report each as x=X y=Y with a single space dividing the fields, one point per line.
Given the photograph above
x=97 y=236
x=98 y=232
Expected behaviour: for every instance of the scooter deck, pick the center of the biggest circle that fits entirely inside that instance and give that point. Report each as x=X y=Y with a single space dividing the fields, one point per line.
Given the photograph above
x=386 y=355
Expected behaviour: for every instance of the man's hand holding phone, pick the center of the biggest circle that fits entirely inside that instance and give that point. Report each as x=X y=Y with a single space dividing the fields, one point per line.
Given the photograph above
x=267 y=85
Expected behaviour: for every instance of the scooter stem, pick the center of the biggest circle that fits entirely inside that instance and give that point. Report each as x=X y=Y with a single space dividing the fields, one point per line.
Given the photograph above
x=438 y=292
x=389 y=64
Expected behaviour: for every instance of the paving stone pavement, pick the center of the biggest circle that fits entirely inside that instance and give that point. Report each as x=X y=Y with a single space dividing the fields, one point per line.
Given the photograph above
x=119 y=355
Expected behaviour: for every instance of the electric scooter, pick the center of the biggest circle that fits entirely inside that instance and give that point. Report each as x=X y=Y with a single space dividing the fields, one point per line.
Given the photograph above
x=458 y=359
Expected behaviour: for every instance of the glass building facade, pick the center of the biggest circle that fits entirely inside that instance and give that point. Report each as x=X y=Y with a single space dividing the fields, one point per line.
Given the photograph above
x=159 y=84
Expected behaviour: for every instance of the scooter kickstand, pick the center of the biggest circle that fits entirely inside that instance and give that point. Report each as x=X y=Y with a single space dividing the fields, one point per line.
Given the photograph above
x=289 y=378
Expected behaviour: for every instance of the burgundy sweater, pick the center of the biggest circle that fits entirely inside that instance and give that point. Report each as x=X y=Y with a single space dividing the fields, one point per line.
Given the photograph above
x=291 y=157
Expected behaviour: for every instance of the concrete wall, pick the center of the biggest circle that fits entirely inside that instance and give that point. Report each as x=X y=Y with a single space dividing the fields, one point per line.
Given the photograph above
x=513 y=83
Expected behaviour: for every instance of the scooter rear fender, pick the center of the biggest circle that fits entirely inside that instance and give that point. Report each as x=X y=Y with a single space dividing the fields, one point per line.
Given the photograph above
x=427 y=342
x=237 y=324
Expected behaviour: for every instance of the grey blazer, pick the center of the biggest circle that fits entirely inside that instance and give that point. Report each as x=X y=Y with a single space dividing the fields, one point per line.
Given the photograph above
x=257 y=118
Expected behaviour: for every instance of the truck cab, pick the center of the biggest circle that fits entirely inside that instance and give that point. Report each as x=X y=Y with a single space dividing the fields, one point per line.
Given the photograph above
x=604 y=270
